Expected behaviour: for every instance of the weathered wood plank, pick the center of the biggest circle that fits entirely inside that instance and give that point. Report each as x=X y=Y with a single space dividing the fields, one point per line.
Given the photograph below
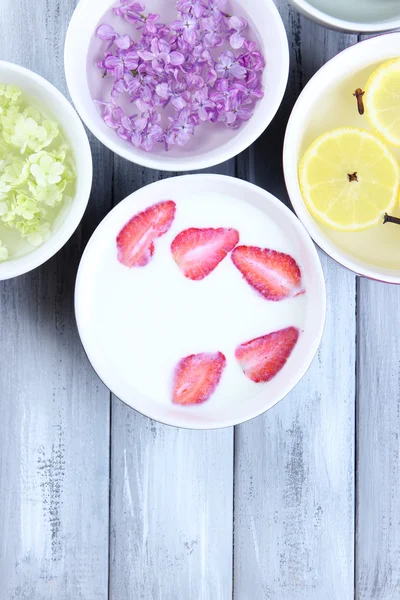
x=54 y=430
x=294 y=485
x=172 y=492
x=378 y=443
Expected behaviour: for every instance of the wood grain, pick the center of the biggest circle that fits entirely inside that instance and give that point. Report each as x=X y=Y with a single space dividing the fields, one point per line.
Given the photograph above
x=294 y=467
x=378 y=444
x=54 y=430
x=172 y=491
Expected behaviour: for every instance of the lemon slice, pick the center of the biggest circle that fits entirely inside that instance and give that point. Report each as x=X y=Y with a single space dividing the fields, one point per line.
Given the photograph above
x=382 y=101
x=349 y=179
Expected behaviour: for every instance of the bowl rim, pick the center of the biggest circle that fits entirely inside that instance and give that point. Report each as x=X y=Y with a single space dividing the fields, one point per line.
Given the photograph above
x=163 y=163
x=320 y=294
x=322 y=17
x=37 y=257
x=290 y=169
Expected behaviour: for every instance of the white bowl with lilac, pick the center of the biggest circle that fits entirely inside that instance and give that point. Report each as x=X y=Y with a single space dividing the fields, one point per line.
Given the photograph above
x=185 y=97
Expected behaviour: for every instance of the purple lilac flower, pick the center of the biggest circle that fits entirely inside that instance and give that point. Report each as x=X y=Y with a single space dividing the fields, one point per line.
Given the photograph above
x=237 y=25
x=228 y=65
x=187 y=25
x=213 y=38
x=201 y=103
x=223 y=94
x=214 y=8
x=161 y=55
x=106 y=32
x=182 y=127
x=238 y=112
x=178 y=66
x=193 y=7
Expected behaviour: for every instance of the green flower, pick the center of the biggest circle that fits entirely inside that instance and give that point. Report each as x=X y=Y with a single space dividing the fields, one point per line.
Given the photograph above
x=34 y=232
x=9 y=119
x=9 y=95
x=4 y=189
x=45 y=169
x=26 y=207
x=28 y=134
x=16 y=173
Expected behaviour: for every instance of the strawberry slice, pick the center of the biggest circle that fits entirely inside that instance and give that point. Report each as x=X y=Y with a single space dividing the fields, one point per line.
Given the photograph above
x=197 y=377
x=272 y=274
x=135 y=241
x=198 y=252
x=261 y=359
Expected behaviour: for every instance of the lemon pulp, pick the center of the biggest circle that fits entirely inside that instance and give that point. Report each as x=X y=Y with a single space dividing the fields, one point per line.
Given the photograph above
x=382 y=101
x=349 y=179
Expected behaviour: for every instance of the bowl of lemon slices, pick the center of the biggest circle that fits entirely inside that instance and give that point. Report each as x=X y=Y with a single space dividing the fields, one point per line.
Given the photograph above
x=341 y=158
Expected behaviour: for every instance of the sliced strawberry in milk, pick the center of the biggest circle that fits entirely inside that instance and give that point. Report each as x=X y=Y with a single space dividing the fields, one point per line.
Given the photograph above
x=272 y=274
x=197 y=377
x=135 y=241
x=261 y=359
x=199 y=251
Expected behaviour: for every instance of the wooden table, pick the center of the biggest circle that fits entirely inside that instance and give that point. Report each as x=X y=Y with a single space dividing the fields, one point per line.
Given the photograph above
x=98 y=502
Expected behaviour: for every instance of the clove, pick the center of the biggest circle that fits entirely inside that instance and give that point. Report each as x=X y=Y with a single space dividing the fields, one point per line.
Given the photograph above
x=389 y=219
x=359 y=93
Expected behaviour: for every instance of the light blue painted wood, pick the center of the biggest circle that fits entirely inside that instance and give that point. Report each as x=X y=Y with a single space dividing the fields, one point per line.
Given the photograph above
x=294 y=467
x=378 y=443
x=54 y=426
x=172 y=491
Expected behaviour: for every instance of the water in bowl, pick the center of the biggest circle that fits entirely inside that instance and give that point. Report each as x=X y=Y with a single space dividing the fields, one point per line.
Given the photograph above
x=360 y=11
x=16 y=244
x=208 y=135
x=380 y=245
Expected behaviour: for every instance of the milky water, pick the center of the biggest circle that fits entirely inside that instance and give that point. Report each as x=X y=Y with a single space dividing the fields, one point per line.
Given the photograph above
x=141 y=322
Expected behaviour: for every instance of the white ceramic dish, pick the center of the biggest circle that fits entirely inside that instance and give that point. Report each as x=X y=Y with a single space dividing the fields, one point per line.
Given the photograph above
x=327 y=102
x=211 y=149
x=135 y=323
x=366 y=16
x=57 y=106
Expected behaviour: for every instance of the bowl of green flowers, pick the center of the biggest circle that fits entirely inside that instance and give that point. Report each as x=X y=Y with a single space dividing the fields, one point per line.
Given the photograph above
x=45 y=170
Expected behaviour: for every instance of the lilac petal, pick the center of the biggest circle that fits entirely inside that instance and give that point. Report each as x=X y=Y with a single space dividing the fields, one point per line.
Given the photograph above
x=164 y=46
x=140 y=124
x=238 y=71
x=237 y=23
x=124 y=134
x=203 y=114
x=124 y=42
x=236 y=40
x=179 y=102
x=106 y=32
x=176 y=25
x=245 y=114
x=111 y=62
x=176 y=58
x=136 y=138
x=146 y=94
x=162 y=90
x=146 y=55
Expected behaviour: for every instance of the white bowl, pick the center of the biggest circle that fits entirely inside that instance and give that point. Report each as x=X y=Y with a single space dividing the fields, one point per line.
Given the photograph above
x=108 y=295
x=210 y=149
x=326 y=103
x=366 y=16
x=50 y=100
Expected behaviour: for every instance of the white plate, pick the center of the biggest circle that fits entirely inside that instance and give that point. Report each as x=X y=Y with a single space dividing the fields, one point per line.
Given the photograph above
x=136 y=324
